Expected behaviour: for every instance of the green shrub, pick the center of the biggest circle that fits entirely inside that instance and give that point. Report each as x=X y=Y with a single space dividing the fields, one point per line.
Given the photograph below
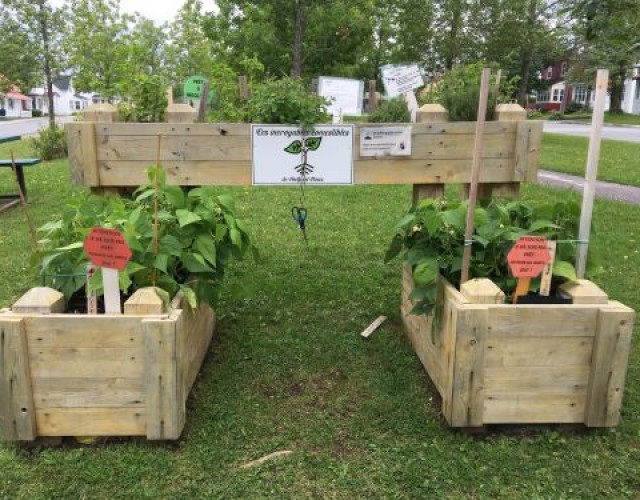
x=149 y=99
x=286 y=101
x=535 y=115
x=391 y=111
x=556 y=116
x=576 y=107
x=459 y=92
x=36 y=113
x=50 y=144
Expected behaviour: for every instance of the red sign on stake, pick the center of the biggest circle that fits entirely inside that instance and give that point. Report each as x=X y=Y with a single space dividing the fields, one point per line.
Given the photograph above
x=528 y=256
x=107 y=248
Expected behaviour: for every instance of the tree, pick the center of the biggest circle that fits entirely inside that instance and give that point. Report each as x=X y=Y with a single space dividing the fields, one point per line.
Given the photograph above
x=18 y=62
x=608 y=36
x=97 y=45
x=42 y=23
x=190 y=51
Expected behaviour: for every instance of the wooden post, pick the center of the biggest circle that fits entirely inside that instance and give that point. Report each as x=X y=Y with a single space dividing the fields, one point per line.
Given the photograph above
x=430 y=113
x=169 y=95
x=243 y=87
x=475 y=173
x=96 y=113
x=373 y=97
x=17 y=410
x=145 y=301
x=506 y=113
x=40 y=300
x=602 y=81
x=204 y=103
x=314 y=85
x=180 y=113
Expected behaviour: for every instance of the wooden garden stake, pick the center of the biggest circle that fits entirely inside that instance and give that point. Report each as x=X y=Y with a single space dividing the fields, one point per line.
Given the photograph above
x=602 y=81
x=155 y=207
x=475 y=173
x=547 y=273
x=204 y=102
x=32 y=229
x=92 y=297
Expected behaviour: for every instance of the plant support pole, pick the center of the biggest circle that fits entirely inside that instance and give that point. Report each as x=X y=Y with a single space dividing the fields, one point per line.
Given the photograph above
x=602 y=81
x=475 y=173
x=155 y=207
x=32 y=229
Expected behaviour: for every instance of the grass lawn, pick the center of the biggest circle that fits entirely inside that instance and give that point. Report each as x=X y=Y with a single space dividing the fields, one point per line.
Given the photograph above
x=289 y=370
x=619 y=160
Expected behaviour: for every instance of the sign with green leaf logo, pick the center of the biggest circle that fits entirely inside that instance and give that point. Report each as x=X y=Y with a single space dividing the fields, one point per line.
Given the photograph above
x=289 y=155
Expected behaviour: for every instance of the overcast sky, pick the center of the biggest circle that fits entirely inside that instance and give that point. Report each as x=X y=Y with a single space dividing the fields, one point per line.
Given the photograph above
x=157 y=10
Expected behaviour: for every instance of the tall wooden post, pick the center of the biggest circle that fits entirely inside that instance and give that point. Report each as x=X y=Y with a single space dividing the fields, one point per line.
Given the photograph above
x=243 y=87
x=504 y=113
x=180 y=113
x=373 y=97
x=430 y=113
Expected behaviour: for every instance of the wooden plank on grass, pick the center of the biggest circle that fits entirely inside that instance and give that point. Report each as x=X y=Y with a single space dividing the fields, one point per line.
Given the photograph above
x=17 y=412
x=91 y=422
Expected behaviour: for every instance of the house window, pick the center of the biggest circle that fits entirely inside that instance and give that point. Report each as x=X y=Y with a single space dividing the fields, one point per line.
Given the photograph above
x=580 y=94
x=561 y=95
x=10 y=103
x=542 y=96
x=77 y=104
x=624 y=88
x=637 y=89
x=564 y=69
x=555 y=95
x=549 y=73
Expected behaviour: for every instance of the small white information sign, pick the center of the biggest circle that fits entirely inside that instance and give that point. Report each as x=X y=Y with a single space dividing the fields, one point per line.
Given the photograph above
x=284 y=155
x=399 y=80
x=346 y=95
x=385 y=141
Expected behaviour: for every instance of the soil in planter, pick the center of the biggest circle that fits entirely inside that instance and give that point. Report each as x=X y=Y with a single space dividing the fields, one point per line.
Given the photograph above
x=77 y=304
x=534 y=298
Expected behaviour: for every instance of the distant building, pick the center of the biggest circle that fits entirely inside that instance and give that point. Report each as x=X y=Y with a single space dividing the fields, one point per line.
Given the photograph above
x=15 y=104
x=552 y=98
x=65 y=100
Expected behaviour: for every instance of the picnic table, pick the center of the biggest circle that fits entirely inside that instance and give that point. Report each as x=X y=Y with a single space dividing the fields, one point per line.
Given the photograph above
x=9 y=200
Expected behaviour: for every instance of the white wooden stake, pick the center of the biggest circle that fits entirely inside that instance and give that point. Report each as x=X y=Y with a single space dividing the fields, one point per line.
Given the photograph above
x=602 y=81
x=412 y=104
x=111 y=291
x=475 y=172
x=547 y=273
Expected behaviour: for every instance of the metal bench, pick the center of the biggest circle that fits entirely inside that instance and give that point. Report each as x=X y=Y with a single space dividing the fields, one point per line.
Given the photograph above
x=11 y=199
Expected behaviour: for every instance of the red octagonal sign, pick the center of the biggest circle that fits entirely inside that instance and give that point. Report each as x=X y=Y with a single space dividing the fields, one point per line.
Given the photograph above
x=107 y=248
x=528 y=256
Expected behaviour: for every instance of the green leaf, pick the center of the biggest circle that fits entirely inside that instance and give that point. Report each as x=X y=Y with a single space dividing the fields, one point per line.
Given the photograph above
x=221 y=232
x=175 y=196
x=147 y=193
x=406 y=222
x=185 y=217
x=426 y=272
x=133 y=267
x=542 y=224
x=394 y=248
x=161 y=261
x=189 y=296
x=124 y=281
x=206 y=245
x=195 y=263
x=312 y=143
x=294 y=148
x=72 y=246
x=236 y=237
x=564 y=269
x=171 y=245
x=227 y=202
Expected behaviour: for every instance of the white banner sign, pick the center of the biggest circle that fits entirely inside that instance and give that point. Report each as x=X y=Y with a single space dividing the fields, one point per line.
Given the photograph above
x=399 y=80
x=385 y=141
x=345 y=95
x=283 y=155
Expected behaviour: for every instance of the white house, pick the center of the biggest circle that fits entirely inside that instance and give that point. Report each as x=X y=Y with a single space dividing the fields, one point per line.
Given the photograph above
x=65 y=100
x=15 y=104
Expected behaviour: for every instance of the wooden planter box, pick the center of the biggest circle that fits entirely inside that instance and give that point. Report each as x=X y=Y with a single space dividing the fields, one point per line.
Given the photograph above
x=495 y=363
x=98 y=375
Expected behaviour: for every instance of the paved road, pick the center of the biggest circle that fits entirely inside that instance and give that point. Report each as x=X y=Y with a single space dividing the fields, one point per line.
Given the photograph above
x=28 y=126
x=631 y=134
x=606 y=190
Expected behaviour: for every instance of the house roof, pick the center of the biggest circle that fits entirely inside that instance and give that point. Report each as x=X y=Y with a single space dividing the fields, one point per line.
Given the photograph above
x=17 y=96
x=62 y=82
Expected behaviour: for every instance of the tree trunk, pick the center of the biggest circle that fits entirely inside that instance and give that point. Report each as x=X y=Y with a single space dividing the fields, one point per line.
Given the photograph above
x=46 y=53
x=296 y=69
x=617 y=88
x=526 y=57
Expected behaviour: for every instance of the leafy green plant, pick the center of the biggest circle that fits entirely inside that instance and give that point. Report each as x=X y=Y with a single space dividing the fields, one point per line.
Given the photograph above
x=430 y=239
x=286 y=100
x=459 y=92
x=50 y=143
x=198 y=234
x=391 y=111
x=36 y=113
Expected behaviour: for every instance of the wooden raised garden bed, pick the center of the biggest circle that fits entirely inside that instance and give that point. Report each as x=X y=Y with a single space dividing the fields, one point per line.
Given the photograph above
x=98 y=375
x=495 y=363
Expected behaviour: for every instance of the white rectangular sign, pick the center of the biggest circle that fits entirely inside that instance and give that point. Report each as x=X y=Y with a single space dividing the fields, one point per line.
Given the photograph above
x=345 y=95
x=285 y=155
x=399 y=80
x=385 y=141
